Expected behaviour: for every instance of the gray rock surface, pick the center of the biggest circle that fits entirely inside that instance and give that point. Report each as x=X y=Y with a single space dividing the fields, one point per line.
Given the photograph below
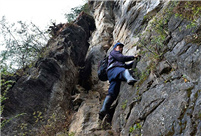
x=47 y=90
x=165 y=101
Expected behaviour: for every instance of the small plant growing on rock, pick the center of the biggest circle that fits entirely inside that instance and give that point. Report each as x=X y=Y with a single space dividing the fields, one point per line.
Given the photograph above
x=124 y=105
x=135 y=128
x=71 y=134
x=5 y=85
x=190 y=10
x=199 y=115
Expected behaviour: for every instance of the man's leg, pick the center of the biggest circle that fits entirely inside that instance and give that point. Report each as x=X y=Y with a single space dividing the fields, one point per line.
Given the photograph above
x=113 y=92
x=106 y=106
x=130 y=80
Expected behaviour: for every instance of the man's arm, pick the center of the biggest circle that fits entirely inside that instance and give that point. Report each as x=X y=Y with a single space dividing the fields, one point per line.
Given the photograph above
x=128 y=66
x=120 y=57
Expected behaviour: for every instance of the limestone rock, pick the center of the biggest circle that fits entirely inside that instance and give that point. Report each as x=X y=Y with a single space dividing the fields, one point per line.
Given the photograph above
x=165 y=101
x=47 y=89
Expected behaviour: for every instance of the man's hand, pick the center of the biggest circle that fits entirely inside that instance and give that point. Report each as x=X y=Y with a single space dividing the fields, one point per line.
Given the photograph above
x=136 y=56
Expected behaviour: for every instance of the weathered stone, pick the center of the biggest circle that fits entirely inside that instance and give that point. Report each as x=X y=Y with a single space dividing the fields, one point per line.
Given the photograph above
x=86 y=119
x=160 y=102
x=174 y=23
x=166 y=99
x=104 y=23
x=163 y=67
x=47 y=88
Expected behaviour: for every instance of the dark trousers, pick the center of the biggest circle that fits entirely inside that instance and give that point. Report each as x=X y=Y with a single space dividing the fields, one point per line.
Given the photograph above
x=115 y=84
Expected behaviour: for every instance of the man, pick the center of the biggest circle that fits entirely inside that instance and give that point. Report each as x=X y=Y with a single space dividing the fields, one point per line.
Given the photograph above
x=117 y=71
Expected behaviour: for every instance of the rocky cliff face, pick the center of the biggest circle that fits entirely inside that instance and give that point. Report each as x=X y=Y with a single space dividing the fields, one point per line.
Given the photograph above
x=165 y=101
x=43 y=95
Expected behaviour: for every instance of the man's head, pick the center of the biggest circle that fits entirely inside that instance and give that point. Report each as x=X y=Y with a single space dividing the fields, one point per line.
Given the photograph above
x=118 y=47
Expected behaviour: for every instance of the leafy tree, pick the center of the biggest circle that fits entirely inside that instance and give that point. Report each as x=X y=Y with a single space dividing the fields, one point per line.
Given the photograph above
x=75 y=12
x=23 y=43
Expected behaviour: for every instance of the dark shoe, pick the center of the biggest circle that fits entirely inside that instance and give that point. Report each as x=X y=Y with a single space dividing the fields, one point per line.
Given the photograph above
x=131 y=82
x=106 y=106
x=106 y=122
x=101 y=115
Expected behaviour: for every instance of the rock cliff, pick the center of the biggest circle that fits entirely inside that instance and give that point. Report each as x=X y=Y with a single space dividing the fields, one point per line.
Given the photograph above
x=165 y=101
x=43 y=95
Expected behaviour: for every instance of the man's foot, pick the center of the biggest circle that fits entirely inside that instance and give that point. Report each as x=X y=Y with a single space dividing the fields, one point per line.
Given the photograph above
x=106 y=106
x=106 y=122
x=131 y=82
x=101 y=115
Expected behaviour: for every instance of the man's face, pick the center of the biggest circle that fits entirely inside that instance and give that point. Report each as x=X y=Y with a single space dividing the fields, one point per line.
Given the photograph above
x=119 y=48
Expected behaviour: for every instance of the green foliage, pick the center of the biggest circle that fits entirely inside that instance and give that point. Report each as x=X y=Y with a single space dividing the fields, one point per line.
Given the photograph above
x=71 y=134
x=111 y=133
x=138 y=97
x=4 y=122
x=5 y=85
x=190 y=10
x=38 y=116
x=199 y=115
x=123 y=106
x=191 y=25
x=75 y=12
x=135 y=127
x=153 y=41
x=48 y=124
x=22 y=42
x=144 y=76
